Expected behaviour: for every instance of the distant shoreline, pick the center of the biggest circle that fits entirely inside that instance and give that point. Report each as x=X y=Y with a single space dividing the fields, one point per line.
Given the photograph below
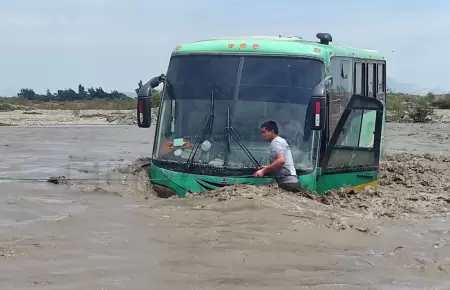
x=39 y=117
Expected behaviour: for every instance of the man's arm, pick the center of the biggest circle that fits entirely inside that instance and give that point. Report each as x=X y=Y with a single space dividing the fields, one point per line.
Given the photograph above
x=276 y=164
x=279 y=159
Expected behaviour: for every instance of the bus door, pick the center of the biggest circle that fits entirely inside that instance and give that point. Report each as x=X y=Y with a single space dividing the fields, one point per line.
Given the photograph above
x=353 y=152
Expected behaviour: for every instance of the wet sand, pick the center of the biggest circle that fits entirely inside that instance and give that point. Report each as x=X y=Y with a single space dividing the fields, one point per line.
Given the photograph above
x=110 y=232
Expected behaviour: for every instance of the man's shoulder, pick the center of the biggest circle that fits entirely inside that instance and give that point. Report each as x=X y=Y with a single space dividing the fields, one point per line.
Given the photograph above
x=279 y=140
x=278 y=144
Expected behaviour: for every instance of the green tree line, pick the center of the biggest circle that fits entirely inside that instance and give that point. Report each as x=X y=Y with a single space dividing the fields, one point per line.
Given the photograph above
x=413 y=108
x=431 y=100
x=81 y=94
x=72 y=95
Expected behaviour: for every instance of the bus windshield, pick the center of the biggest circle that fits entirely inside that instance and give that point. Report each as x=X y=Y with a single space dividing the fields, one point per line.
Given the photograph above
x=238 y=91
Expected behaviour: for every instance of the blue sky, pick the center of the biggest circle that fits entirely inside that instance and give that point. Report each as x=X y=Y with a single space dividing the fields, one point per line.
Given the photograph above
x=114 y=43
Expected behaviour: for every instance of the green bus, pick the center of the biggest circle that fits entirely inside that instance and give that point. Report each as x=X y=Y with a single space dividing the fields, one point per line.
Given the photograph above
x=328 y=101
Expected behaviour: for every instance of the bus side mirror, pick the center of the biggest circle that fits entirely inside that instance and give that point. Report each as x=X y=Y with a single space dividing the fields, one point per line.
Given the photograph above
x=144 y=112
x=144 y=107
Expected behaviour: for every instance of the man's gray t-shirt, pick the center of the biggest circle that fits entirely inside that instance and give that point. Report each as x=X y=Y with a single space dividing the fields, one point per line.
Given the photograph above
x=286 y=173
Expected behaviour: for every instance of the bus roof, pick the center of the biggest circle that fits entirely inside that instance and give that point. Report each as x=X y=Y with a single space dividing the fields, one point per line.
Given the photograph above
x=280 y=45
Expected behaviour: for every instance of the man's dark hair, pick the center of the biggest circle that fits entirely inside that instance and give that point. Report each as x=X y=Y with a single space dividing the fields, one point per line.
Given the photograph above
x=270 y=126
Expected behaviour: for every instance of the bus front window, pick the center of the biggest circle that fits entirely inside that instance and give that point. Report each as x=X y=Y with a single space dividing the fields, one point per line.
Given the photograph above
x=240 y=91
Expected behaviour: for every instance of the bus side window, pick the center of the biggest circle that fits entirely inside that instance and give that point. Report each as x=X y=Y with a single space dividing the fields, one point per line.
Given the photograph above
x=364 y=79
x=381 y=82
x=351 y=130
x=345 y=69
x=370 y=80
x=358 y=80
x=358 y=132
x=380 y=78
x=341 y=91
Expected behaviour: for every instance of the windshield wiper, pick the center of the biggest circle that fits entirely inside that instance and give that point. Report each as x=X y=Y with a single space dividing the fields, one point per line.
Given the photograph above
x=204 y=130
x=232 y=133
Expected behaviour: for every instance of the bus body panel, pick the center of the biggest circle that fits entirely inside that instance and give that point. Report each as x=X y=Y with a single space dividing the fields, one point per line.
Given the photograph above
x=273 y=45
x=182 y=183
x=357 y=180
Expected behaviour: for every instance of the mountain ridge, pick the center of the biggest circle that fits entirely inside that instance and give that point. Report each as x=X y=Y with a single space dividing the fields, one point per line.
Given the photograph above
x=407 y=88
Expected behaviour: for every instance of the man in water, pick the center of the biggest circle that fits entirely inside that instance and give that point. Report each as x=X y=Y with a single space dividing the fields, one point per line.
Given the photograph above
x=281 y=163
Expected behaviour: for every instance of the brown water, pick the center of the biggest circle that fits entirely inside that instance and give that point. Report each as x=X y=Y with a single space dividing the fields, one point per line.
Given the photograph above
x=94 y=234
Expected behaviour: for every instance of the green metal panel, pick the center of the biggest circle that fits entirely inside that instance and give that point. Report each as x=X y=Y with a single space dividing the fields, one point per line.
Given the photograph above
x=353 y=179
x=274 y=45
x=182 y=183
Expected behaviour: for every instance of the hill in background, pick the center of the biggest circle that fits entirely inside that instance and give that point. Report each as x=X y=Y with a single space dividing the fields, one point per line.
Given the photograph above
x=407 y=88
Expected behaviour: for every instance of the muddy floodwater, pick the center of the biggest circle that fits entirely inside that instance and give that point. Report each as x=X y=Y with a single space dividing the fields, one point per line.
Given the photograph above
x=103 y=229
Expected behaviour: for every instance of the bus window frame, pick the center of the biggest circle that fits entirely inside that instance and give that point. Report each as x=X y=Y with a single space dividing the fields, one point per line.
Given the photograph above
x=364 y=81
x=376 y=148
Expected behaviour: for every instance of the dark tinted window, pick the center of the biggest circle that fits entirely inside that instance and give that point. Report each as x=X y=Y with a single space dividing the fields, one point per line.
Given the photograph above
x=250 y=78
x=196 y=76
x=370 y=79
x=279 y=79
x=380 y=78
x=358 y=78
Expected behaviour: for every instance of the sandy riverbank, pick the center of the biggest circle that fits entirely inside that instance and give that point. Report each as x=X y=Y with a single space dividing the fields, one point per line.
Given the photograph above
x=40 y=117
